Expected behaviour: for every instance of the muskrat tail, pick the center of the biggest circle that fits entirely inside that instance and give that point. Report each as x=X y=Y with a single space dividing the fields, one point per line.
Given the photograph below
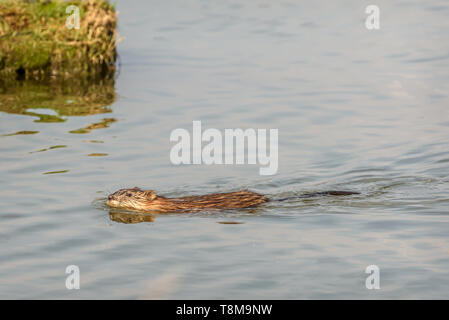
x=317 y=194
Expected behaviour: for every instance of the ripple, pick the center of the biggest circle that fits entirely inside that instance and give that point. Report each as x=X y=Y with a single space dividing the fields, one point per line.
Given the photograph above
x=97 y=154
x=23 y=132
x=50 y=148
x=55 y=172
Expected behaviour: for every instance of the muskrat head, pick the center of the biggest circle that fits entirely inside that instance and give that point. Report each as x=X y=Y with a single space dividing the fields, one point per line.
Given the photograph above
x=134 y=198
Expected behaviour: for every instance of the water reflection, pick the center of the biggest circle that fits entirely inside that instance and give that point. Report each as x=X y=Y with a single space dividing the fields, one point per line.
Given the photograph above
x=53 y=101
x=20 y=133
x=230 y=222
x=128 y=218
x=55 y=172
x=97 y=154
x=50 y=148
x=104 y=123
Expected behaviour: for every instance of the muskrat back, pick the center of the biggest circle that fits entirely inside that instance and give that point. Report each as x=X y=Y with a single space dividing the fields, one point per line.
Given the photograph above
x=147 y=200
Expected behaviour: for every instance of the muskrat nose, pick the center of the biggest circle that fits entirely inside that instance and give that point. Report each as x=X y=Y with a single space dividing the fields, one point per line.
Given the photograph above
x=110 y=197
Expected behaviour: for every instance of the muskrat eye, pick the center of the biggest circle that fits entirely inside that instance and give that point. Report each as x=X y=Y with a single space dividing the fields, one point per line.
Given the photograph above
x=129 y=194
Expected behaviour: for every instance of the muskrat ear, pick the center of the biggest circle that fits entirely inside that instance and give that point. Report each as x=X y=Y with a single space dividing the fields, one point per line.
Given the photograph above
x=136 y=188
x=150 y=194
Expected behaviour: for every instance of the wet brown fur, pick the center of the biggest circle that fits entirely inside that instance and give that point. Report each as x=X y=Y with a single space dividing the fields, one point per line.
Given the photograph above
x=147 y=200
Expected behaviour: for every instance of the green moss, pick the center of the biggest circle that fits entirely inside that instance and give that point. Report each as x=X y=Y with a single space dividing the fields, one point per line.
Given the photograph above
x=31 y=55
x=35 y=41
x=49 y=10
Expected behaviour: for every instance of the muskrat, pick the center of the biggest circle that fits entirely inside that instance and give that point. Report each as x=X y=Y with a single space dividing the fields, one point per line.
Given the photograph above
x=147 y=200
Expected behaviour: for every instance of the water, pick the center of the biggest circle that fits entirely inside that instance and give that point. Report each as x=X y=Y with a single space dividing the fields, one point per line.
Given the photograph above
x=356 y=110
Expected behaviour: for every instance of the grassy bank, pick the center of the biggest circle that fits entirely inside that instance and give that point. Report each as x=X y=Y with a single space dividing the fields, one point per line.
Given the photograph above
x=35 y=41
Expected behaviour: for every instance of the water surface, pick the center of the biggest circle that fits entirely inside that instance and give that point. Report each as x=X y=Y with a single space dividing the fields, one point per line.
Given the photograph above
x=356 y=110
